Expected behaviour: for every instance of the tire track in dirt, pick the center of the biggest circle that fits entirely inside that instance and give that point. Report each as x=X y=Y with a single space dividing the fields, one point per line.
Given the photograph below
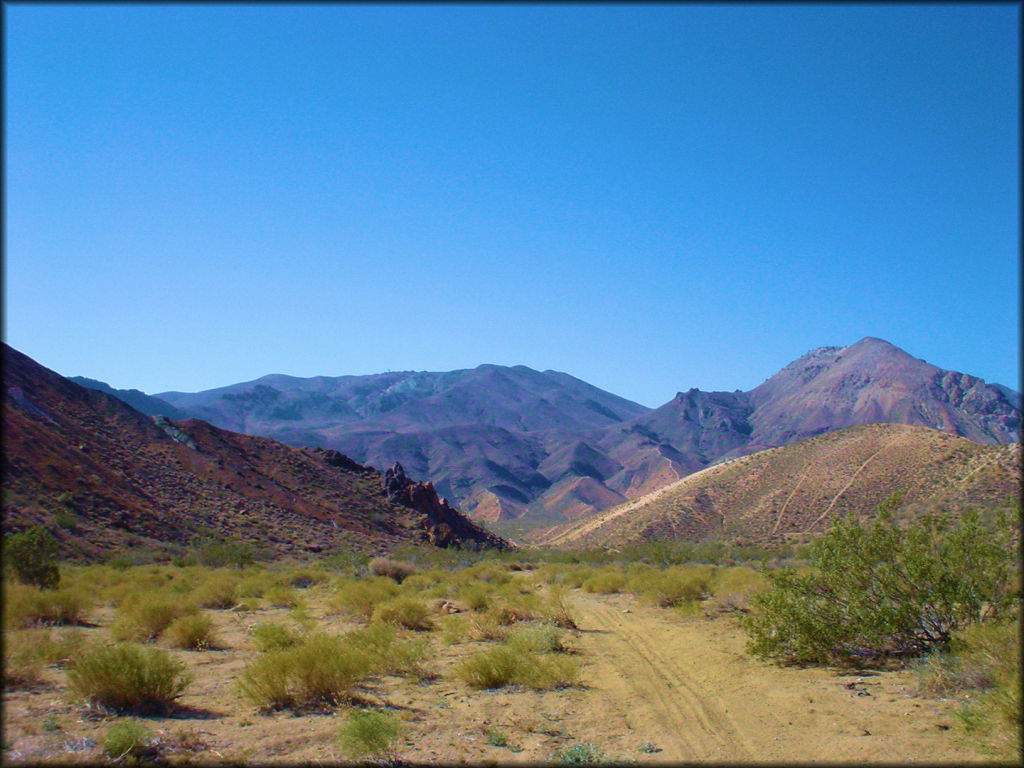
x=690 y=724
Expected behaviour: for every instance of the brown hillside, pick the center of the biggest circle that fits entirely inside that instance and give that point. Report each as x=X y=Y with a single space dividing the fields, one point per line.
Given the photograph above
x=105 y=477
x=782 y=493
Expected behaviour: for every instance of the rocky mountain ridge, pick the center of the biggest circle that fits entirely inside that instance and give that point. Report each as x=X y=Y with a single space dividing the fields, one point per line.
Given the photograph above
x=506 y=443
x=105 y=477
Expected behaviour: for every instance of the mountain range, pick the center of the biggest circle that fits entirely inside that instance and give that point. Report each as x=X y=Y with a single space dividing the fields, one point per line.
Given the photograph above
x=105 y=477
x=514 y=443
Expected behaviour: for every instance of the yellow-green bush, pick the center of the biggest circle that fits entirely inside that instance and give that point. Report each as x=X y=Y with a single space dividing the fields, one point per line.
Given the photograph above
x=218 y=591
x=360 y=597
x=371 y=736
x=127 y=678
x=503 y=665
x=606 y=581
x=193 y=632
x=674 y=585
x=405 y=612
x=143 y=618
x=272 y=637
x=319 y=669
x=26 y=606
x=280 y=596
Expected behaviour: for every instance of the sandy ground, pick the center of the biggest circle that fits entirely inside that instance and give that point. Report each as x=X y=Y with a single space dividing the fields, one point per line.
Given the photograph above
x=657 y=688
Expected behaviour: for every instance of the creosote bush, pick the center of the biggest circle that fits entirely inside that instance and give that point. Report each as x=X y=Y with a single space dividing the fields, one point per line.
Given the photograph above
x=393 y=569
x=143 y=618
x=32 y=555
x=127 y=678
x=26 y=606
x=883 y=590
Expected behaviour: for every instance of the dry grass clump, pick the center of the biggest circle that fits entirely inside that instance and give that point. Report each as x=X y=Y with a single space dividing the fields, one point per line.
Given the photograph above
x=26 y=606
x=573 y=578
x=142 y=617
x=393 y=569
x=126 y=678
x=371 y=736
x=359 y=597
x=537 y=638
x=192 y=633
x=476 y=597
x=982 y=668
x=557 y=608
x=405 y=612
x=320 y=669
x=127 y=740
x=389 y=653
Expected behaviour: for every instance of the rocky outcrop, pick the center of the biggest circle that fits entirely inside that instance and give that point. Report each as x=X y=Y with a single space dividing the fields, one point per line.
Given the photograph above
x=443 y=525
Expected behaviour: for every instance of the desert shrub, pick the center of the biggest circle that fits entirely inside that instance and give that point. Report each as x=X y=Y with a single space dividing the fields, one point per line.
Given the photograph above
x=127 y=739
x=880 y=589
x=575 y=577
x=225 y=553
x=318 y=669
x=272 y=637
x=303 y=578
x=253 y=584
x=557 y=608
x=405 y=612
x=27 y=651
x=26 y=606
x=127 y=678
x=674 y=585
x=605 y=581
x=476 y=597
x=370 y=735
x=141 y=618
x=584 y=753
x=32 y=555
x=360 y=597
x=281 y=597
x=218 y=591
x=388 y=653
x=732 y=587
x=537 y=638
x=503 y=665
x=393 y=569
x=193 y=632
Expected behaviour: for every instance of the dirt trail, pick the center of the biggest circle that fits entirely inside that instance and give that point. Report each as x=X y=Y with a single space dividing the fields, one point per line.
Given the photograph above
x=687 y=686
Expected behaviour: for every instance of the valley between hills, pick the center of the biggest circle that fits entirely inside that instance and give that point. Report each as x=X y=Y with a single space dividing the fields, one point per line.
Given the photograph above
x=289 y=588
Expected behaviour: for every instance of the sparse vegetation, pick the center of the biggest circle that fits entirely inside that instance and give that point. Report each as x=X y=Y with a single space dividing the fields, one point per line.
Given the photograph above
x=127 y=740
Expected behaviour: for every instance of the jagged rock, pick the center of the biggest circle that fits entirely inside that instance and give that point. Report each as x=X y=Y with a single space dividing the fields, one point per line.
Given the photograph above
x=337 y=459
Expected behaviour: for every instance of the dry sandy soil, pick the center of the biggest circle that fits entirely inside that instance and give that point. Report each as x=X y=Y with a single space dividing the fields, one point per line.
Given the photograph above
x=683 y=687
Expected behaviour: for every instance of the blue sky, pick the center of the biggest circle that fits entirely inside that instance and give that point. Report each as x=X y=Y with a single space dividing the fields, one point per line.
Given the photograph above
x=649 y=198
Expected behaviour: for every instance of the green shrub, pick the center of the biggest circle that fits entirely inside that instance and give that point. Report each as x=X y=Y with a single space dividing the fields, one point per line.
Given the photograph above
x=405 y=612
x=281 y=597
x=32 y=555
x=127 y=739
x=142 y=619
x=393 y=569
x=584 y=753
x=389 y=653
x=319 y=669
x=605 y=581
x=502 y=665
x=885 y=590
x=476 y=597
x=673 y=586
x=360 y=597
x=219 y=591
x=127 y=678
x=369 y=735
x=538 y=638
x=273 y=637
x=26 y=606
x=193 y=633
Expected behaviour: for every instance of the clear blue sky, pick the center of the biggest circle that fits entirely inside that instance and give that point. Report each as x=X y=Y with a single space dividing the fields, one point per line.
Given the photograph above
x=649 y=198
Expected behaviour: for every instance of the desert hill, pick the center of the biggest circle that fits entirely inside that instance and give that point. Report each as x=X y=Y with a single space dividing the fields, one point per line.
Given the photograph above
x=511 y=442
x=786 y=492
x=105 y=477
